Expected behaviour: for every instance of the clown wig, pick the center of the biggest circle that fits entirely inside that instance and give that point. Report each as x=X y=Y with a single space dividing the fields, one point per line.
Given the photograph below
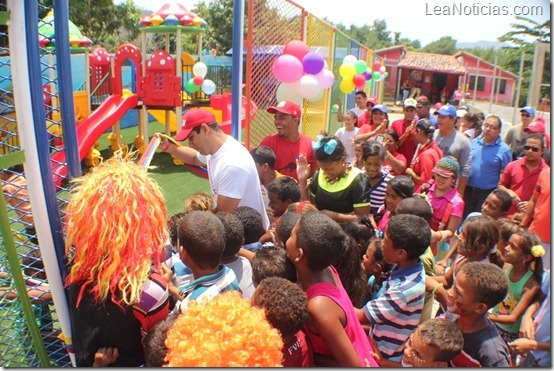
x=223 y=332
x=117 y=228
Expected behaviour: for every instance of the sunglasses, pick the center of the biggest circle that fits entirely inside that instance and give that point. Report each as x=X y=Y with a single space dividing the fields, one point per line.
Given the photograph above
x=529 y=148
x=525 y=115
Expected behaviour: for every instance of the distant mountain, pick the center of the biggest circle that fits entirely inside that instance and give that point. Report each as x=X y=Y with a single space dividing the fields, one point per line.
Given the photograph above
x=480 y=44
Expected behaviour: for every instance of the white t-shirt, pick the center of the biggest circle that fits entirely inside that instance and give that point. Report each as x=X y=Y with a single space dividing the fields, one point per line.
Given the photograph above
x=243 y=270
x=232 y=173
x=358 y=111
x=345 y=137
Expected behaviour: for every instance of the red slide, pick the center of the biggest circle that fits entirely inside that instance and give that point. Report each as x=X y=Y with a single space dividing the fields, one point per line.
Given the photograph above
x=90 y=129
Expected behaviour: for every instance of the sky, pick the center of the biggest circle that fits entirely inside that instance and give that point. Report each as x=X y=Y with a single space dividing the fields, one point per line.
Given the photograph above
x=426 y=20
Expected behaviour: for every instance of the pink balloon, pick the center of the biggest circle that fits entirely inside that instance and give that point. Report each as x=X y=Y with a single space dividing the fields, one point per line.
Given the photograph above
x=359 y=80
x=287 y=68
x=198 y=80
x=325 y=78
x=297 y=48
x=376 y=66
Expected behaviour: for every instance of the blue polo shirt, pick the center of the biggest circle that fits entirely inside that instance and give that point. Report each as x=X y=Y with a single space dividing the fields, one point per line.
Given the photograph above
x=488 y=161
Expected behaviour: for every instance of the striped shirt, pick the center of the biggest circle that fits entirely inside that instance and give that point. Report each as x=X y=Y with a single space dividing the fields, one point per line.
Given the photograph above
x=395 y=314
x=377 y=193
x=208 y=287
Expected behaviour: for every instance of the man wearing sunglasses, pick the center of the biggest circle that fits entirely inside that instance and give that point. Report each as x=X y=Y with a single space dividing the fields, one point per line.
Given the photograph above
x=520 y=177
x=516 y=134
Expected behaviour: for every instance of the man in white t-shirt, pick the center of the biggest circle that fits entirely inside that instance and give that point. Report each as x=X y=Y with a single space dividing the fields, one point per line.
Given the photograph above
x=231 y=170
x=360 y=109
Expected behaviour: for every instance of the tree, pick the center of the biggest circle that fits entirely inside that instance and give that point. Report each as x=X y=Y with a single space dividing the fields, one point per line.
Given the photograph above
x=444 y=45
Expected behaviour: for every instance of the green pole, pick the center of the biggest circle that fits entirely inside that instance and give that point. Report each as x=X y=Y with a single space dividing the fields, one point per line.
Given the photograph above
x=13 y=260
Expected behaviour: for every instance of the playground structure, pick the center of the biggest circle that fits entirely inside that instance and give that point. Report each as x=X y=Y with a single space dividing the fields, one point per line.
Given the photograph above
x=44 y=104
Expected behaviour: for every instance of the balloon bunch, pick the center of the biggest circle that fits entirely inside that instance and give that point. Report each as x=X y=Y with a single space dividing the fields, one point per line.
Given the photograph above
x=199 y=71
x=356 y=74
x=303 y=74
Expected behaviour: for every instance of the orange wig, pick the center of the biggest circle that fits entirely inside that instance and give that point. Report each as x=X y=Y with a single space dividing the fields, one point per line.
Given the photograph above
x=223 y=332
x=117 y=224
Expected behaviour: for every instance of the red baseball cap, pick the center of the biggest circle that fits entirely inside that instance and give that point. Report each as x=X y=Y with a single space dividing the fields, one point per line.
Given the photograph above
x=287 y=107
x=193 y=119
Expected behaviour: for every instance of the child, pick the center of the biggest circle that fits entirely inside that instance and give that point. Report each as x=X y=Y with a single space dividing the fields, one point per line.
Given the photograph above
x=434 y=344
x=362 y=231
x=447 y=204
x=154 y=343
x=506 y=228
x=272 y=261
x=346 y=135
x=523 y=252
x=282 y=192
x=224 y=332
x=200 y=201
x=476 y=242
x=398 y=188
x=253 y=227
x=337 y=337
x=302 y=207
x=234 y=237
x=358 y=152
x=396 y=313
x=470 y=126
x=478 y=287
x=116 y=233
x=202 y=237
x=286 y=308
x=180 y=273
x=376 y=266
x=534 y=342
x=378 y=177
x=351 y=273
x=284 y=228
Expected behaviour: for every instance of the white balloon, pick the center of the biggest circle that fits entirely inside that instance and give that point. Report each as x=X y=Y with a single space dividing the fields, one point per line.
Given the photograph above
x=325 y=79
x=208 y=87
x=317 y=97
x=349 y=59
x=200 y=69
x=289 y=91
x=309 y=87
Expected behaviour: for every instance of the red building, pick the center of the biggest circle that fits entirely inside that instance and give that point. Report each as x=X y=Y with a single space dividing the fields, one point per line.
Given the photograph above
x=433 y=74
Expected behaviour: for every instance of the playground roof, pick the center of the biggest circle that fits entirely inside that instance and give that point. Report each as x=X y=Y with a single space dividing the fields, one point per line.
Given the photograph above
x=431 y=62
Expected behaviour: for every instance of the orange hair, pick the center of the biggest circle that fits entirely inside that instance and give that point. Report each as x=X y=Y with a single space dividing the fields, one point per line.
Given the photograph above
x=117 y=223
x=223 y=332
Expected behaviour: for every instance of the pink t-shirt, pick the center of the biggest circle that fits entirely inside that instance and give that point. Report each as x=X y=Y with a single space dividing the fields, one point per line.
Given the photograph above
x=353 y=328
x=439 y=205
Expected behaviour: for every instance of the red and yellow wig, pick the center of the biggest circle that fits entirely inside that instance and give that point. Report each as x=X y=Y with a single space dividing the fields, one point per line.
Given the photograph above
x=117 y=224
x=223 y=332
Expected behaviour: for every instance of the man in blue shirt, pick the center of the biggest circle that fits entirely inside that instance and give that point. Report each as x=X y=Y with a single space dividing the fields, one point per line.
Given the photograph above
x=490 y=155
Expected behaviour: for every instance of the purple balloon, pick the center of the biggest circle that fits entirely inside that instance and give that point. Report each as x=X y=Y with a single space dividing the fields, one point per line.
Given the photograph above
x=367 y=75
x=313 y=63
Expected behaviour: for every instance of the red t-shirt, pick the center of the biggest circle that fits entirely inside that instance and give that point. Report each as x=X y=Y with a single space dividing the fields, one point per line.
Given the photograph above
x=297 y=353
x=409 y=146
x=286 y=153
x=400 y=157
x=517 y=177
x=541 y=219
x=426 y=159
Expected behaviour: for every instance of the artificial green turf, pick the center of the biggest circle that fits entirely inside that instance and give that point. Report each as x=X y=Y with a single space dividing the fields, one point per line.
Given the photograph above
x=177 y=182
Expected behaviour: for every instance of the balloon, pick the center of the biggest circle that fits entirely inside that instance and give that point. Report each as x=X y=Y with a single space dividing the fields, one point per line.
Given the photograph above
x=376 y=75
x=359 y=80
x=199 y=69
x=325 y=78
x=313 y=63
x=297 y=49
x=376 y=66
x=349 y=59
x=289 y=92
x=367 y=74
x=309 y=87
x=191 y=87
x=287 y=68
x=346 y=86
x=361 y=66
x=382 y=69
x=347 y=71
x=318 y=96
x=335 y=108
x=386 y=74
x=325 y=65
x=208 y=87
x=198 y=80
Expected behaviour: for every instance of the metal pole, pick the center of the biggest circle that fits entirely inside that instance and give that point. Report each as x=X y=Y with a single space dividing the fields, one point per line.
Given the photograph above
x=236 y=81
x=519 y=80
x=492 y=85
x=475 y=83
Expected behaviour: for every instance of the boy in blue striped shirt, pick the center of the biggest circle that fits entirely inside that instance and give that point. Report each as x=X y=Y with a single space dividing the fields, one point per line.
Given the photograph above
x=395 y=314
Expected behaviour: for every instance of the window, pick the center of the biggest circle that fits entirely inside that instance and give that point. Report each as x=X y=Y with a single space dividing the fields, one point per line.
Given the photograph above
x=502 y=87
x=480 y=83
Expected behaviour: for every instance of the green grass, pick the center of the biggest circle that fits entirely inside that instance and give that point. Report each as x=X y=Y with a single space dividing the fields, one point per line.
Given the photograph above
x=177 y=182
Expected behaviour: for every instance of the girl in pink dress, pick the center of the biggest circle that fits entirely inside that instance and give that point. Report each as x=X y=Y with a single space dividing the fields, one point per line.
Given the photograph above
x=336 y=335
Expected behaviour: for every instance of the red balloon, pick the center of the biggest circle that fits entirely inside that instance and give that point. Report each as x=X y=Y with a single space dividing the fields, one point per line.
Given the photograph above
x=297 y=48
x=198 y=80
x=359 y=80
x=376 y=66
